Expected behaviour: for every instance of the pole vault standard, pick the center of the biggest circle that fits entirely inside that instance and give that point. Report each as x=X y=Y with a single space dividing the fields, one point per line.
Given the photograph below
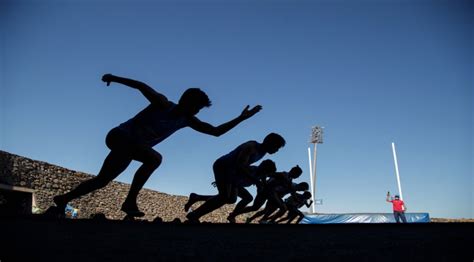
x=316 y=138
x=396 y=171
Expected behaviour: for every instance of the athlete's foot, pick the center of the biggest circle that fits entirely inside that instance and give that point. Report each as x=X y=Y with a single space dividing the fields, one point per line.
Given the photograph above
x=192 y=219
x=132 y=210
x=231 y=219
x=54 y=212
x=128 y=218
x=191 y=201
x=60 y=202
x=133 y=213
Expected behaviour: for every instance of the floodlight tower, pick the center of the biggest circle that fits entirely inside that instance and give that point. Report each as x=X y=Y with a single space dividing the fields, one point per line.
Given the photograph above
x=315 y=139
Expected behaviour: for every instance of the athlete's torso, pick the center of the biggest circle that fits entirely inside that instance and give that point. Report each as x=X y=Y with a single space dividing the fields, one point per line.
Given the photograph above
x=154 y=124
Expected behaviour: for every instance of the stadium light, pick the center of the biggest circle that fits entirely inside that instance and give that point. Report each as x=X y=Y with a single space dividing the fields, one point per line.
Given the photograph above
x=315 y=139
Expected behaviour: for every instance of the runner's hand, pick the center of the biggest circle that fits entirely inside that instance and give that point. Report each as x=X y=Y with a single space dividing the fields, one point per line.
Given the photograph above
x=107 y=78
x=246 y=113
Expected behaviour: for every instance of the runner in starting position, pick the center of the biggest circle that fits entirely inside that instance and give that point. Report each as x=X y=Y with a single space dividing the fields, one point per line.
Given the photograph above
x=135 y=139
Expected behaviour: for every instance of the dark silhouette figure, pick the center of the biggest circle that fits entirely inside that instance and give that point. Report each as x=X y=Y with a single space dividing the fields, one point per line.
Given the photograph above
x=257 y=177
x=294 y=203
x=275 y=202
x=135 y=138
x=283 y=185
x=231 y=169
x=262 y=178
x=277 y=181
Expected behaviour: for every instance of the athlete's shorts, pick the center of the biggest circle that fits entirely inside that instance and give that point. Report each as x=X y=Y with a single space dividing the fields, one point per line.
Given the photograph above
x=118 y=139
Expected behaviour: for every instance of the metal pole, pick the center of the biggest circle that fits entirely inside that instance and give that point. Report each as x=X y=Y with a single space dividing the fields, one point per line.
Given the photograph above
x=313 y=209
x=396 y=170
x=314 y=177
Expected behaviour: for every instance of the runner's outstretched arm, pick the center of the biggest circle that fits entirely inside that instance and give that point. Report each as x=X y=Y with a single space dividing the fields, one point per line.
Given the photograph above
x=150 y=94
x=209 y=129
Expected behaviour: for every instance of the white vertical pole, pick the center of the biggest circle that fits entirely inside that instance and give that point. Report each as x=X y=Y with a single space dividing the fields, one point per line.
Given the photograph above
x=314 y=178
x=313 y=209
x=396 y=170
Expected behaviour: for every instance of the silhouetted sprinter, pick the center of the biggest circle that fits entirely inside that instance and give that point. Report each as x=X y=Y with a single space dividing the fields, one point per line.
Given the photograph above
x=282 y=188
x=294 y=203
x=135 y=138
x=266 y=168
x=275 y=201
x=257 y=177
x=231 y=168
x=276 y=182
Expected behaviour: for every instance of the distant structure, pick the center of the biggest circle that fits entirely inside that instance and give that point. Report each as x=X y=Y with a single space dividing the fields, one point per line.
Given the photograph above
x=315 y=139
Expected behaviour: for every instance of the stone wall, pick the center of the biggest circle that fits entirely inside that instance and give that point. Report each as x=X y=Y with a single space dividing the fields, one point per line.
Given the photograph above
x=49 y=180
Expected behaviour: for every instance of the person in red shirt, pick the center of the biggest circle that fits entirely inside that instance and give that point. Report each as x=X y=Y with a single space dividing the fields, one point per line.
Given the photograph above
x=399 y=208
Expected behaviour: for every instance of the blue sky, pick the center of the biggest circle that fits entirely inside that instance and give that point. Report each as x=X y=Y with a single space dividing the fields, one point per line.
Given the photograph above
x=370 y=72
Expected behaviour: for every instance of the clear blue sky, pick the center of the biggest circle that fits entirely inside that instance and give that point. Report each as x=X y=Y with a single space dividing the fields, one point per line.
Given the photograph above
x=370 y=72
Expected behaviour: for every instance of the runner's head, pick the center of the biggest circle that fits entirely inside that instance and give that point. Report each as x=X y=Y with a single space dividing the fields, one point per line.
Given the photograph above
x=303 y=186
x=397 y=197
x=306 y=195
x=295 y=172
x=193 y=100
x=266 y=167
x=273 y=142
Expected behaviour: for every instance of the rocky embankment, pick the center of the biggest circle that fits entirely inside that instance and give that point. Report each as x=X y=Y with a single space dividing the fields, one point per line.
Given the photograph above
x=49 y=180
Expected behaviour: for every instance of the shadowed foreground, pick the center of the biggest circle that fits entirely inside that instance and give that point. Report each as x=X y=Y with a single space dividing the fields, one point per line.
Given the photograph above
x=40 y=239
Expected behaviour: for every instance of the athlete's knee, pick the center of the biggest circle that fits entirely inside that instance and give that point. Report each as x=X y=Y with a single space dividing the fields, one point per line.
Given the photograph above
x=253 y=208
x=231 y=199
x=154 y=160
x=282 y=207
x=247 y=199
x=222 y=198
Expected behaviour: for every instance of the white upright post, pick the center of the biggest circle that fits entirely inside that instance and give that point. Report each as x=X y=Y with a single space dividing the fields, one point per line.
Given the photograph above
x=314 y=178
x=396 y=170
x=313 y=208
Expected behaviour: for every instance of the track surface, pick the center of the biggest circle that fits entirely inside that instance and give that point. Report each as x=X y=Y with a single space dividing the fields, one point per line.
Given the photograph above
x=41 y=239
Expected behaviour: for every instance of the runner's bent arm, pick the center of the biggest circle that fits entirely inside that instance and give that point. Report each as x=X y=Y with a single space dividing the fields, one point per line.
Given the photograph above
x=150 y=94
x=242 y=161
x=209 y=129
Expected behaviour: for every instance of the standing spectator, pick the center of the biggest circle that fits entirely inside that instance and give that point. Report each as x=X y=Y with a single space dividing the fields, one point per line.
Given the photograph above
x=399 y=208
